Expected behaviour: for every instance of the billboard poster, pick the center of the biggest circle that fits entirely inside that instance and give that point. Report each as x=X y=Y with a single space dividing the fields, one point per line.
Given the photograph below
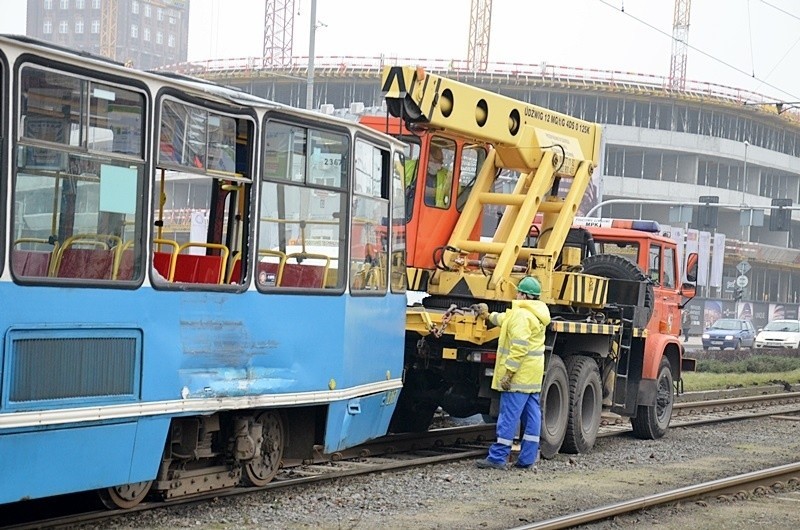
x=782 y=311
x=760 y=314
x=712 y=312
x=744 y=310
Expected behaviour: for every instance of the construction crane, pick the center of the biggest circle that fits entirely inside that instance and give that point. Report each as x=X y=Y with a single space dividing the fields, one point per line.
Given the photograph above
x=278 y=32
x=480 y=25
x=108 y=29
x=680 y=44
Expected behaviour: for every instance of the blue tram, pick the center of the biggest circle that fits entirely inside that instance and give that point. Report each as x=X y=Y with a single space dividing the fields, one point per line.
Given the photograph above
x=197 y=284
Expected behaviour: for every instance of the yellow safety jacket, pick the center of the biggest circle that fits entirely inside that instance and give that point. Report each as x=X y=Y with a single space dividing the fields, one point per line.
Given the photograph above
x=440 y=188
x=521 y=345
x=409 y=171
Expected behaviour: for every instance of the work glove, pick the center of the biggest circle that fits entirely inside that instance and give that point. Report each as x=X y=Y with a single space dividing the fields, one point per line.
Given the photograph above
x=505 y=382
x=482 y=310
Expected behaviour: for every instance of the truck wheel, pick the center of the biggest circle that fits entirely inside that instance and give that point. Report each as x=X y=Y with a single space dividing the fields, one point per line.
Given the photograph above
x=420 y=397
x=651 y=422
x=619 y=268
x=585 y=403
x=555 y=407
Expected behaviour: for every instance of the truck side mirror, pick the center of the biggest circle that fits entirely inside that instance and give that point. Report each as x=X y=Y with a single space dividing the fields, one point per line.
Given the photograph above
x=691 y=267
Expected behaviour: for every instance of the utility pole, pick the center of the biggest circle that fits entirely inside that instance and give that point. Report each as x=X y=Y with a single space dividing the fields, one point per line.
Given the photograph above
x=312 y=36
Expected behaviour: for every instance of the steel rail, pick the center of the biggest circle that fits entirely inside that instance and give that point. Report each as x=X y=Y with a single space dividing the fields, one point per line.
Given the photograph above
x=729 y=403
x=756 y=479
x=394 y=452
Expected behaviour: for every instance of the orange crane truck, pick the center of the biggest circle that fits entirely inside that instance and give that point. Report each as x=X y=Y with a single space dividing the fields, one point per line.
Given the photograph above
x=613 y=343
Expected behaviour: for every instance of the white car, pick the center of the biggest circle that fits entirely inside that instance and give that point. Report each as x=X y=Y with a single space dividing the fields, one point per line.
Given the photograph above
x=779 y=334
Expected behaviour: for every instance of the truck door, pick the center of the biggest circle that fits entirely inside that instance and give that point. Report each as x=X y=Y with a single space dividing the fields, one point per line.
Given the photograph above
x=662 y=271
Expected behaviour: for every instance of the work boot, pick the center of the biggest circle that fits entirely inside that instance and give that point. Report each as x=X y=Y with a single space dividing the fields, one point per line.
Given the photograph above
x=488 y=464
x=529 y=467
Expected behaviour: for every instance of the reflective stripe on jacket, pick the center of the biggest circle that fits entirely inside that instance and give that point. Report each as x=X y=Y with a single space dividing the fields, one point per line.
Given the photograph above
x=520 y=347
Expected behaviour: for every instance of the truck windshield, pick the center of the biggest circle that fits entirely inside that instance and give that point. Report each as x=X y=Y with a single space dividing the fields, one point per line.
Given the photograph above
x=624 y=249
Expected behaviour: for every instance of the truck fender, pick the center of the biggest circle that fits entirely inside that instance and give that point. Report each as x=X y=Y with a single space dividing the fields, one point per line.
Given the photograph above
x=656 y=346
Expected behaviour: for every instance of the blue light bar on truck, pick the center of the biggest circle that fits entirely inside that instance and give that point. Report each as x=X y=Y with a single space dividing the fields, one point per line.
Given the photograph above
x=631 y=224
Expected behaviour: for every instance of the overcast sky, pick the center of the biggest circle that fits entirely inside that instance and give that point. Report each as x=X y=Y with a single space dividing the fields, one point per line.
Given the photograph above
x=748 y=44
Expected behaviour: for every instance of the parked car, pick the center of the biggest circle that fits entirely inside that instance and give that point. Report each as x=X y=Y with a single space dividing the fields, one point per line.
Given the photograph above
x=729 y=333
x=779 y=334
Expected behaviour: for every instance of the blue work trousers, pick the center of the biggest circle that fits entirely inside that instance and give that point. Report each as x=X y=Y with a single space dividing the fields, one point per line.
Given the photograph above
x=515 y=406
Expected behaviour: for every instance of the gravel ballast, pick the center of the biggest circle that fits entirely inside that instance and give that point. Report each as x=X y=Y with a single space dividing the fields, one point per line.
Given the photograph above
x=458 y=495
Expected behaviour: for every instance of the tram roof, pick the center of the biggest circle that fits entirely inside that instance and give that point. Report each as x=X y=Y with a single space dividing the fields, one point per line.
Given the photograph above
x=210 y=89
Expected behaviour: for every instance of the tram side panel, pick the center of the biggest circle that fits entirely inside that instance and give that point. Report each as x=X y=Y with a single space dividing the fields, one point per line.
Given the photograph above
x=107 y=381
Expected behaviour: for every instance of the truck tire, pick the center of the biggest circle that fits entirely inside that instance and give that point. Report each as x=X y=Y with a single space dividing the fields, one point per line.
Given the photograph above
x=555 y=407
x=652 y=421
x=619 y=268
x=420 y=397
x=585 y=404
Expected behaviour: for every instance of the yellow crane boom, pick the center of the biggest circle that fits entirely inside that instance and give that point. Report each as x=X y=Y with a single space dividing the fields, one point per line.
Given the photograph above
x=545 y=147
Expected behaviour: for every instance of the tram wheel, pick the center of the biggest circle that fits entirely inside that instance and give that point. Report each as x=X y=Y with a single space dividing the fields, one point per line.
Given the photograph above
x=125 y=496
x=264 y=467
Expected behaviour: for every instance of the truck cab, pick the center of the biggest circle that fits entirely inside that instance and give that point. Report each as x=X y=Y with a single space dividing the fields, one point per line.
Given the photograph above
x=641 y=242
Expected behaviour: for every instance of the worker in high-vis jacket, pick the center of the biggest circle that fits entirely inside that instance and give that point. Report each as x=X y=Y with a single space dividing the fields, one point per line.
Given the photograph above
x=438 y=179
x=518 y=373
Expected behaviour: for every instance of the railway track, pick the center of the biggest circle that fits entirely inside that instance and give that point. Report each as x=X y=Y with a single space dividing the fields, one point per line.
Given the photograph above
x=398 y=452
x=741 y=486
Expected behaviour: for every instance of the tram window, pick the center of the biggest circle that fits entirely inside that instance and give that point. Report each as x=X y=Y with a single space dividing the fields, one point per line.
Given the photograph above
x=222 y=143
x=408 y=168
x=285 y=153
x=115 y=120
x=77 y=215
x=51 y=106
x=368 y=232
x=196 y=139
x=302 y=218
x=397 y=267
x=202 y=197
